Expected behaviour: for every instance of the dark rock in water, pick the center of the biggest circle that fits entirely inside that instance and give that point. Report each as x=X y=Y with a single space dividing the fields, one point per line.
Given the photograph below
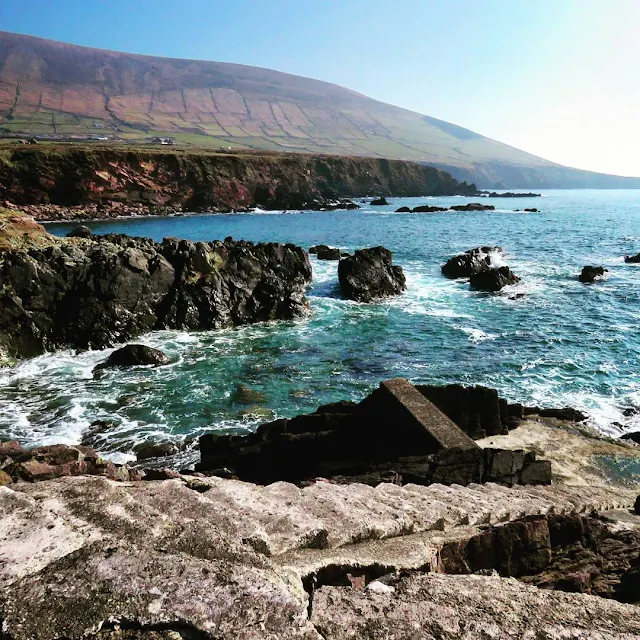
x=473 y=261
x=329 y=253
x=473 y=206
x=403 y=210
x=91 y=435
x=510 y=194
x=591 y=274
x=533 y=210
x=317 y=248
x=133 y=355
x=369 y=274
x=379 y=202
x=425 y=208
x=517 y=296
x=158 y=450
x=493 y=279
x=95 y=294
x=632 y=259
x=630 y=411
x=633 y=436
x=244 y=394
x=80 y=232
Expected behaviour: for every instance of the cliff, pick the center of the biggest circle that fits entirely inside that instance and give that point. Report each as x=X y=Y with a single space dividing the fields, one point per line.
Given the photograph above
x=76 y=175
x=60 y=90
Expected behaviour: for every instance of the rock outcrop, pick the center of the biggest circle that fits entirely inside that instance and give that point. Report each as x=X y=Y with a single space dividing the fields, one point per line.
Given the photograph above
x=473 y=261
x=473 y=206
x=108 y=289
x=379 y=202
x=493 y=279
x=632 y=259
x=591 y=274
x=370 y=274
x=329 y=253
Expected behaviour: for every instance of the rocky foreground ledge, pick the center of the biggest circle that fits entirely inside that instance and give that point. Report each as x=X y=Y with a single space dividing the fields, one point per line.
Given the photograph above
x=213 y=558
x=96 y=291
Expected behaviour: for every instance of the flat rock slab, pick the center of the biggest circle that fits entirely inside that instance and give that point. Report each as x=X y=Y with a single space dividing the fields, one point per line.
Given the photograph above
x=422 y=417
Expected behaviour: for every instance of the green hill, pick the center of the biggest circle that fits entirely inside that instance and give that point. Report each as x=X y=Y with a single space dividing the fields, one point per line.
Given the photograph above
x=61 y=90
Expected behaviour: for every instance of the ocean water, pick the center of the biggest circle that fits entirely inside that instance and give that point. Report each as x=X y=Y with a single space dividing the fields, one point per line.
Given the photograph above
x=562 y=343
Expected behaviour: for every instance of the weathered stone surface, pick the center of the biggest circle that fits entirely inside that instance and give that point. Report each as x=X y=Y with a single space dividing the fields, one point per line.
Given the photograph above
x=82 y=294
x=369 y=275
x=329 y=253
x=428 y=606
x=155 y=450
x=493 y=279
x=591 y=274
x=134 y=355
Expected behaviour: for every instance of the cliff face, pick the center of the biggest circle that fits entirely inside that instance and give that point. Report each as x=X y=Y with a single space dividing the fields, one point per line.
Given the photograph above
x=75 y=175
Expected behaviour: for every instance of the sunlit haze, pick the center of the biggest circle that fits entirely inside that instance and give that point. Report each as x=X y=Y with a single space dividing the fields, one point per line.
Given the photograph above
x=556 y=78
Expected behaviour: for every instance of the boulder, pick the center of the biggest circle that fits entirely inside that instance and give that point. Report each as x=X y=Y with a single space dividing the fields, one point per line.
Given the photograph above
x=591 y=274
x=379 y=202
x=329 y=253
x=633 y=436
x=156 y=450
x=80 y=232
x=317 y=247
x=566 y=413
x=493 y=279
x=133 y=355
x=636 y=507
x=369 y=275
x=632 y=259
x=161 y=474
x=473 y=261
x=473 y=206
x=403 y=210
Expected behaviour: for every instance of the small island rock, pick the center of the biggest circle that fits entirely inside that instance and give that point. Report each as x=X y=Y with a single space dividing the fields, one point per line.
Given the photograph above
x=379 y=202
x=133 y=355
x=493 y=279
x=369 y=274
x=591 y=274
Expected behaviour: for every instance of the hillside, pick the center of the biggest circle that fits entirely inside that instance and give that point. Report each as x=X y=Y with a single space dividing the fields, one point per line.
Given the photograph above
x=63 y=90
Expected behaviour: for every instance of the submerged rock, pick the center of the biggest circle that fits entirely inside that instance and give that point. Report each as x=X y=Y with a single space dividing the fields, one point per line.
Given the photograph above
x=632 y=259
x=591 y=274
x=369 y=275
x=493 y=279
x=134 y=355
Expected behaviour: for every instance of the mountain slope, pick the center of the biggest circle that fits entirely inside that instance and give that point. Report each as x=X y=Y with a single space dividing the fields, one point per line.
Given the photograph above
x=59 y=89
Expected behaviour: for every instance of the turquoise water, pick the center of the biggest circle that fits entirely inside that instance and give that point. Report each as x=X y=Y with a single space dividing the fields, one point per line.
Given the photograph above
x=563 y=343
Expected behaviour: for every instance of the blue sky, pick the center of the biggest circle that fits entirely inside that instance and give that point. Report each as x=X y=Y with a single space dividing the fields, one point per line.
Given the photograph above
x=558 y=78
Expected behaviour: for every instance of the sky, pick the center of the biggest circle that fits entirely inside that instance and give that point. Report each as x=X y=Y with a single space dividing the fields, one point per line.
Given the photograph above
x=556 y=78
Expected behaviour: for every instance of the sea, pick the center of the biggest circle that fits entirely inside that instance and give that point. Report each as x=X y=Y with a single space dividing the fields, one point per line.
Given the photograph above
x=562 y=343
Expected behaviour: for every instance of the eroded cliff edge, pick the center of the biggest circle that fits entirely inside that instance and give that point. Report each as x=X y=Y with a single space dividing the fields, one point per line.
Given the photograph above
x=110 y=181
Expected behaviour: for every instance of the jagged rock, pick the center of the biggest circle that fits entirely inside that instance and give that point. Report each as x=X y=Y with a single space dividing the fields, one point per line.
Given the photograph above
x=5 y=478
x=80 y=232
x=473 y=206
x=634 y=436
x=369 y=274
x=11 y=449
x=591 y=274
x=156 y=450
x=92 y=434
x=632 y=259
x=161 y=474
x=329 y=253
x=636 y=507
x=317 y=248
x=134 y=355
x=493 y=279
x=473 y=261
x=566 y=413
x=379 y=202
x=403 y=210
x=92 y=295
